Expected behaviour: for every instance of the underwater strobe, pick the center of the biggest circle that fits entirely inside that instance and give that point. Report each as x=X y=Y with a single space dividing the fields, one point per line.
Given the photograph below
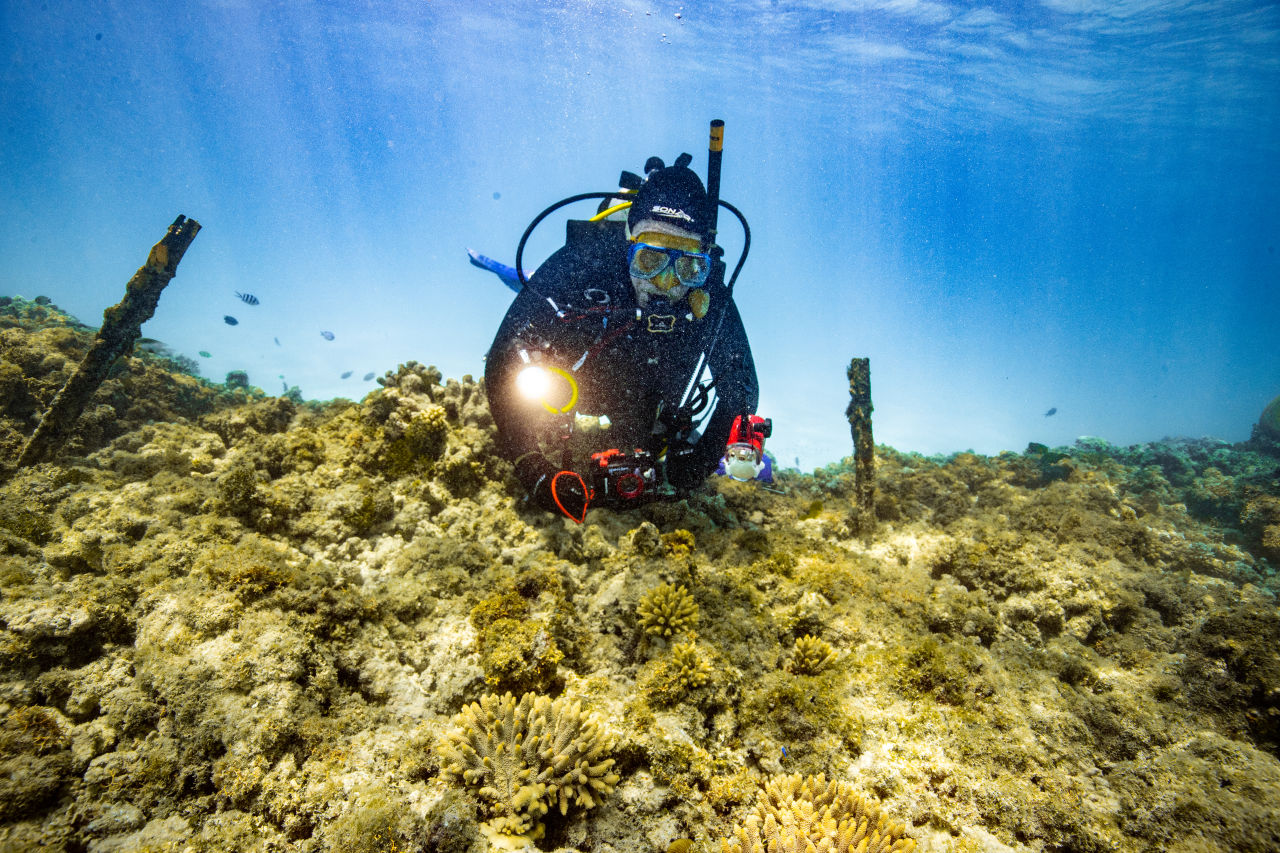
x=553 y=387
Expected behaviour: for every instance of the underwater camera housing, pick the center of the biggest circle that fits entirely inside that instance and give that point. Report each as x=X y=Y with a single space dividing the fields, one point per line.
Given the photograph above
x=622 y=478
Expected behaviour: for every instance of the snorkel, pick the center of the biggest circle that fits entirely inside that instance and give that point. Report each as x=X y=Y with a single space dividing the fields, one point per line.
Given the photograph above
x=715 y=151
x=697 y=397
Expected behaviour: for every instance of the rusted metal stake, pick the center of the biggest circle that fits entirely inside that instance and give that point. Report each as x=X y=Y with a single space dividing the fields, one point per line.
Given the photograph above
x=121 y=328
x=864 y=446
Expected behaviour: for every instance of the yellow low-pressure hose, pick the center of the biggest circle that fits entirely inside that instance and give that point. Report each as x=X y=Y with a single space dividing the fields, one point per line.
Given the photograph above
x=609 y=211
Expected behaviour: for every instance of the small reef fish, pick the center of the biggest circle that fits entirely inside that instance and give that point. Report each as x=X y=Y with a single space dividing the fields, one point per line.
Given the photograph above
x=205 y=354
x=328 y=336
x=277 y=340
x=368 y=376
x=229 y=320
x=346 y=375
x=153 y=346
x=247 y=298
x=1051 y=412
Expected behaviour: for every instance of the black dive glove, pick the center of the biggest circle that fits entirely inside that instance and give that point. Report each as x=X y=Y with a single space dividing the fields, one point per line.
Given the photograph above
x=684 y=473
x=554 y=490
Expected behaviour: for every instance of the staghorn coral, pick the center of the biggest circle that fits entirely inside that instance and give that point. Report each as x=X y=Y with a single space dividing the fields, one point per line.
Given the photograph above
x=523 y=757
x=812 y=656
x=798 y=814
x=667 y=610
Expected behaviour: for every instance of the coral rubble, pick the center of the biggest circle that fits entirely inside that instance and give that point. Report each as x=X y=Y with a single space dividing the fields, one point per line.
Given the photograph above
x=231 y=621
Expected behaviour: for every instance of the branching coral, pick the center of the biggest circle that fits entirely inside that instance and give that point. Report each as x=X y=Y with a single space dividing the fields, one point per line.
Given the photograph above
x=688 y=666
x=523 y=757
x=810 y=815
x=667 y=610
x=669 y=679
x=812 y=655
x=678 y=543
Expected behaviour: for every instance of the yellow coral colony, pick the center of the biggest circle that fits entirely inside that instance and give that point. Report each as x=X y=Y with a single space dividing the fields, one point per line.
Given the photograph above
x=689 y=667
x=797 y=814
x=523 y=757
x=667 y=610
x=812 y=656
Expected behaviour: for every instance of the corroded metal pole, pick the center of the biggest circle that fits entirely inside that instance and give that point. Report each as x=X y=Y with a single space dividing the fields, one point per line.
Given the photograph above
x=121 y=328
x=864 y=447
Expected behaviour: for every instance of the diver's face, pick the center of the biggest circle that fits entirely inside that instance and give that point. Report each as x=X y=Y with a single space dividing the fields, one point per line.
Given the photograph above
x=665 y=284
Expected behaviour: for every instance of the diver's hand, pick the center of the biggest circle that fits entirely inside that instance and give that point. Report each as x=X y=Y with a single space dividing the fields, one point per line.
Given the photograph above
x=564 y=492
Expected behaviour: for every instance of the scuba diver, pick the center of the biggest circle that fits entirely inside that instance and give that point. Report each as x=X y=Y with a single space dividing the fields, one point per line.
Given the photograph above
x=622 y=367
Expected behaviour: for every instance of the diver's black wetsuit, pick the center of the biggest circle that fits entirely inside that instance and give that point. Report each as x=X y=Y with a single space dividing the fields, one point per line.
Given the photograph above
x=627 y=367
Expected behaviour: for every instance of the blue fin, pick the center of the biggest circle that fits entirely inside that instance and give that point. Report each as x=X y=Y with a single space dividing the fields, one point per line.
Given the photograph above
x=501 y=270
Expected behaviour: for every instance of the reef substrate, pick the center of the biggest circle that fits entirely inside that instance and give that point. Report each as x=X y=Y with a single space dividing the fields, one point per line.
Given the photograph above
x=230 y=621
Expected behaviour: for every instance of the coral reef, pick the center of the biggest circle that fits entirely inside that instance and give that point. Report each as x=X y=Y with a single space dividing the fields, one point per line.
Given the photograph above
x=812 y=815
x=232 y=621
x=40 y=347
x=524 y=757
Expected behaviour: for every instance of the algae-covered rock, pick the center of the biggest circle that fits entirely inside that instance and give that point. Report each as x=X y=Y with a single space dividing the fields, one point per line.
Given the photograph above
x=1268 y=425
x=35 y=761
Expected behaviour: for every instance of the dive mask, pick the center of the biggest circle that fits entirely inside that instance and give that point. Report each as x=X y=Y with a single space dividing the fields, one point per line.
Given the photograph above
x=647 y=261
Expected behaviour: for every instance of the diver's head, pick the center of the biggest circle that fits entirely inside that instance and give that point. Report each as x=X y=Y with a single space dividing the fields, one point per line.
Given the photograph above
x=666 y=263
x=668 y=226
x=673 y=196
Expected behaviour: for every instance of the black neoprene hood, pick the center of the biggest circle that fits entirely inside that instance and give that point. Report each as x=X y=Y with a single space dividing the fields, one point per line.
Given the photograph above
x=675 y=196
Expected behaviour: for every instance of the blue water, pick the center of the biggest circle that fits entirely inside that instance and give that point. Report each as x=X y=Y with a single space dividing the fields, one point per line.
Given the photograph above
x=1008 y=208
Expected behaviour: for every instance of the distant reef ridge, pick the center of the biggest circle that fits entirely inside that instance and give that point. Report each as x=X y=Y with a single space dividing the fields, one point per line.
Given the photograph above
x=236 y=621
